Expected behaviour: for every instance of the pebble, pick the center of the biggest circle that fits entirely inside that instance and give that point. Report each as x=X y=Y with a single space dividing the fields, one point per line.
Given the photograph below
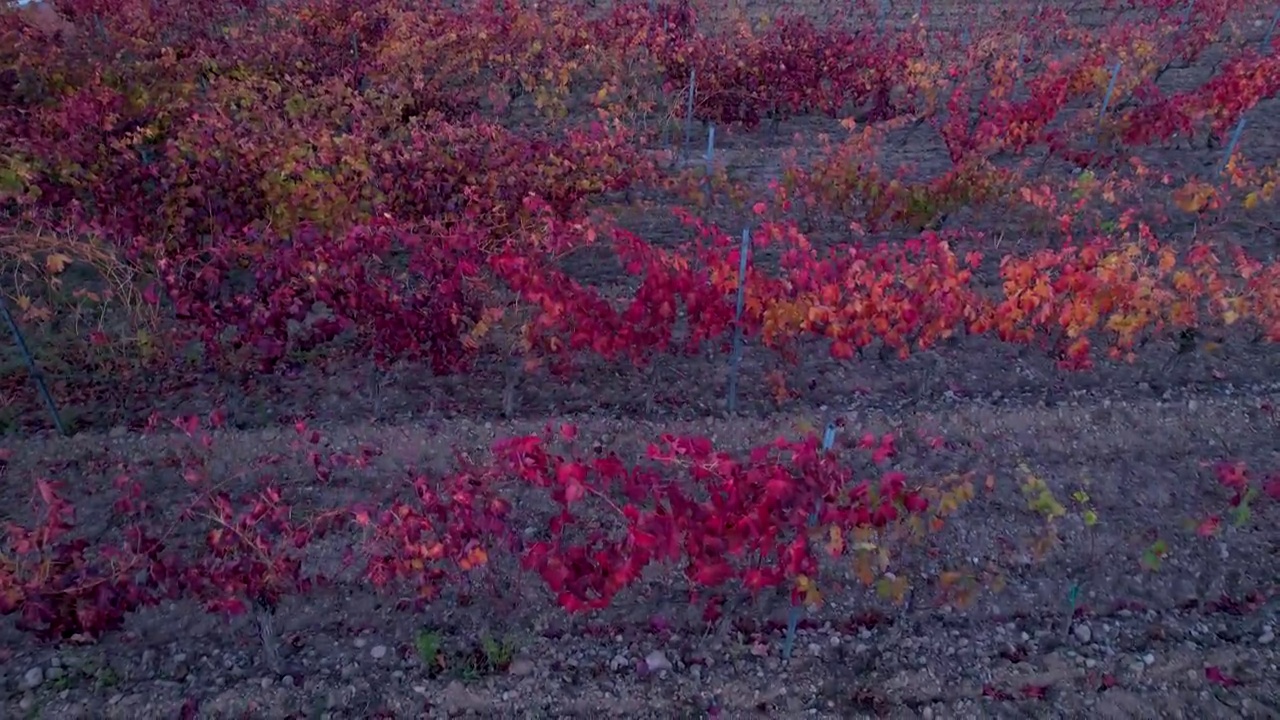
x=1083 y=633
x=33 y=677
x=618 y=662
x=521 y=667
x=656 y=661
x=1149 y=659
x=1268 y=635
x=378 y=652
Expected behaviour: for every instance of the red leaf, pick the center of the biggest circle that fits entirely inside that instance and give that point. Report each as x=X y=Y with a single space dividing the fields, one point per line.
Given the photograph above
x=1272 y=487
x=779 y=488
x=995 y=693
x=1215 y=675
x=915 y=503
x=884 y=514
x=1209 y=526
x=1233 y=475
x=1034 y=692
x=572 y=476
x=712 y=574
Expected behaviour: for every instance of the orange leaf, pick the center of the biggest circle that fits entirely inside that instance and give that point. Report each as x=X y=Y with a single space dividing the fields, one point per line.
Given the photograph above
x=56 y=263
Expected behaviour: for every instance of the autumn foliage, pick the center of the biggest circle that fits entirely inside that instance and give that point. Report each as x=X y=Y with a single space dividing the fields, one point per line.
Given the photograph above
x=400 y=182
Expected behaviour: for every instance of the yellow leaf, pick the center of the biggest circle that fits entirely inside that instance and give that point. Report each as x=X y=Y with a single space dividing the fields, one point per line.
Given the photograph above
x=56 y=263
x=836 y=545
x=812 y=596
x=1230 y=317
x=1251 y=201
x=862 y=569
x=892 y=588
x=1194 y=197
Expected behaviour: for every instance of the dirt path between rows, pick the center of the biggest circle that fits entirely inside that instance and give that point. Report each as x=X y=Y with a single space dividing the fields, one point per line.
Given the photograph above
x=1193 y=639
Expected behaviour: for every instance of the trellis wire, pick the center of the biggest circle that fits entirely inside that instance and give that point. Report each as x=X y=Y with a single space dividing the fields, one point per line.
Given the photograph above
x=1111 y=88
x=1231 y=146
x=1106 y=101
x=711 y=156
x=1239 y=129
x=735 y=360
x=793 y=616
x=32 y=367
x=1017 y=80
x=1266 y=39
x=688 y=110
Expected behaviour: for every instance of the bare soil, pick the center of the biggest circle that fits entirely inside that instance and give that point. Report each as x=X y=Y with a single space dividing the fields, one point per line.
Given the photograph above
x=1148 y=636
x=1142 y=643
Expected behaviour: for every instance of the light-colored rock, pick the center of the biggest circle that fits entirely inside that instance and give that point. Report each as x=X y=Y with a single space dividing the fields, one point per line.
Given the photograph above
x=521 y=667
x=656 y=661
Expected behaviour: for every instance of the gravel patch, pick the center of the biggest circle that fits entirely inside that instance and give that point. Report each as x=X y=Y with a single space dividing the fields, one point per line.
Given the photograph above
x=1195 y=639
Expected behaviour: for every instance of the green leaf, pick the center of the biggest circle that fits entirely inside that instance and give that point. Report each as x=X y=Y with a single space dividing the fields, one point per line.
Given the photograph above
x=1153 y=558
x=1242 y=512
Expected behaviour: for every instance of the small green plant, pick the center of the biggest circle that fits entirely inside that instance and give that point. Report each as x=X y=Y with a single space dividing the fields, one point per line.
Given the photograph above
x=497 y=655
x=1153 y=556
x=1040 y=500
x=1242 y=513
x=108 y=677
x=468 y=669
x=1088 y=515
x=428 y=647
x=62 y=682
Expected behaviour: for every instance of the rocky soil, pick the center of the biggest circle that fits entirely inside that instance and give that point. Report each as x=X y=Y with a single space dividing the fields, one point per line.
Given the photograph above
x=1194 y=639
